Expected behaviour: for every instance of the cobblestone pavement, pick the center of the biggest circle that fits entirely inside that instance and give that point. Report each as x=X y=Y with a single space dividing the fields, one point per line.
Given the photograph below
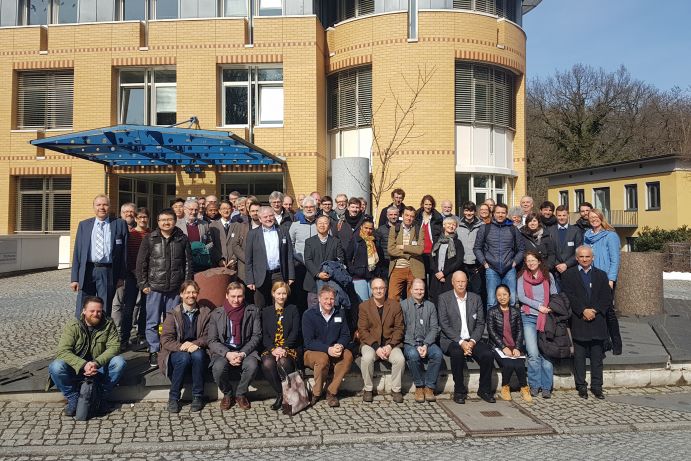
x=659 y=446
x=33 y=311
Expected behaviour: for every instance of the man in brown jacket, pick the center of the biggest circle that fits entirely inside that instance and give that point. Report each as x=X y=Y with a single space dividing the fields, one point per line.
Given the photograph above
x=405 y=253
x=380 y=327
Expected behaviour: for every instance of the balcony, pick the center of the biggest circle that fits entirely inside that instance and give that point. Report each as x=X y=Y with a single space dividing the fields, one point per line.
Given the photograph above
x=617 y=218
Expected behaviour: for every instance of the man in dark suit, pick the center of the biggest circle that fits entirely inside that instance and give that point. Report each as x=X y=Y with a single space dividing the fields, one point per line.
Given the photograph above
x=319 y=249
x=462 y=322
x=591 y=298
x=238 y=235
x=268 y=257
x=99 y=262
x=220 y=231
x=566 y=239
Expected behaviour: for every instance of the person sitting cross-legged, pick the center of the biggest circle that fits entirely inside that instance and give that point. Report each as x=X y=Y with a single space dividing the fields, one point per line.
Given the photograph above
x=88 y=348
x=184 y=341
x=420 y=342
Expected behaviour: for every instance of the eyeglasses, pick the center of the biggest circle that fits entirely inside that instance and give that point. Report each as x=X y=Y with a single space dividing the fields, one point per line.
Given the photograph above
x=142 y=217
x=340 y=201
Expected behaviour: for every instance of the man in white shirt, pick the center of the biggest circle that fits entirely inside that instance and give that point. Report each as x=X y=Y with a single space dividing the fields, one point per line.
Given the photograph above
x=462 y=322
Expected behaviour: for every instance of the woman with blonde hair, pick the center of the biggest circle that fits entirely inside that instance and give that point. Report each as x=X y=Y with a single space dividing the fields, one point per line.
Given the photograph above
x=280 y=336
x=605 y=244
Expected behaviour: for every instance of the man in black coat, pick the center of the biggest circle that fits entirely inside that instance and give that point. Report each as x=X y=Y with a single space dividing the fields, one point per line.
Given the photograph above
x=591 y=298
x=566 y=239
x=268 y=257
x=318 y=249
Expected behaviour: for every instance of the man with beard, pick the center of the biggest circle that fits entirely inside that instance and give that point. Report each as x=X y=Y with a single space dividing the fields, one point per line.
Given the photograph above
x=583 y=222
x=547 y=218
x=349 y=226
x=127 y=213
x=397 y=195
x=447 y=210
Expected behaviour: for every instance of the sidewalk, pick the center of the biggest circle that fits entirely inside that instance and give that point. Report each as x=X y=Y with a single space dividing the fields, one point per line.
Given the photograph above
x=39 y=429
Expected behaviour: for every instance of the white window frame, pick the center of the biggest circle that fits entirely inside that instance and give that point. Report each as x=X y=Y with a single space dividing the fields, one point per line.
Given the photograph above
x=564 y=198
x=627 y=206
x=649 y=187
x=149 y=85
x=254 y=94
x=491 y=190
x=577 y=199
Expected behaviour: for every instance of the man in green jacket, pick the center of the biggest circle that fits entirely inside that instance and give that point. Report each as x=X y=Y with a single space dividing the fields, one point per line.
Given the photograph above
x=88 y=347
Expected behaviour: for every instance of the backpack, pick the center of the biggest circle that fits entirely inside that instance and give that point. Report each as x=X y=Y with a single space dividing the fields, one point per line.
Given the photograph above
x=89 y=400
x=201 y=259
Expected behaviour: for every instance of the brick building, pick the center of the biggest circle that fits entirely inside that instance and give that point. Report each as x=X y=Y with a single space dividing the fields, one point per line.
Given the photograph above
x=301 y=79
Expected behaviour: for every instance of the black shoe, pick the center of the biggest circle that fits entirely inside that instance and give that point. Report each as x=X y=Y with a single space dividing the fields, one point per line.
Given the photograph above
x=173 y=406
x=153 y=359
x=368 y=396
x=197 y=404
x=583 y=393
x=487 y=397
x=598 y=394
x=71 y=407
x=278 y=403
x=459 y=398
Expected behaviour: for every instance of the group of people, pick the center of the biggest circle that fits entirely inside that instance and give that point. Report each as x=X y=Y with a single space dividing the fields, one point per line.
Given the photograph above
x=318 y=285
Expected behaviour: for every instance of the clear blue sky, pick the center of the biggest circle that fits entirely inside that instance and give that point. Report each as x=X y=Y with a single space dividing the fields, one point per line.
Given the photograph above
x=652 y=38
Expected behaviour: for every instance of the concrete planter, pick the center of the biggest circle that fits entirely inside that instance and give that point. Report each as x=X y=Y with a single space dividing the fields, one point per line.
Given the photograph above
x=639 y=286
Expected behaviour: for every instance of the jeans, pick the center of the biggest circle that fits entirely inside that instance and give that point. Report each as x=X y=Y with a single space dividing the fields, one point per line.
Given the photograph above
x=180 y=364
x=540 y=369
x=416 y=365
x=157 y=304
x=362 y=289
x=68 y=381
x=494 y=280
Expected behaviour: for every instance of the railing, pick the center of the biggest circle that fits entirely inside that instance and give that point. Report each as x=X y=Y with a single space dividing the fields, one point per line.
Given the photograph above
x=617 y=218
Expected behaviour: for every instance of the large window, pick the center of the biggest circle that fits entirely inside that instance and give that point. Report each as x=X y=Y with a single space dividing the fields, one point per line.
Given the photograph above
x=484 y=95
x=134 y=10
x=564 y=198
x=350 y=98
x=479 y=187
x=43 y=204
x=148 y=97
x=45 y=99
x=9 y=15
x=631 y=192
x=71 y=11
x=653 y=195
x=155 y=195
x=252 y=95
x=579 y=198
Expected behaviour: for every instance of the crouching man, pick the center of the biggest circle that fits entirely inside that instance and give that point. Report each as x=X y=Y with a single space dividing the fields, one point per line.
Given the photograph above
x=184 y=342
x=88 y=348
x=235 y=334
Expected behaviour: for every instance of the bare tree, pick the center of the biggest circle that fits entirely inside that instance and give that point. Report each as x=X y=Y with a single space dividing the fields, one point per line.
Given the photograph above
x=388 y=139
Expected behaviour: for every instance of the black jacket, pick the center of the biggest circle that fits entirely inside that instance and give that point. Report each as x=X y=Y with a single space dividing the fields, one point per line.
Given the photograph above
x=600 y=299
x=545 y=247
x=554 y=342
x=381 y=239
x=356 y=259
x=315 y=255
x=435 y=223
x=495 y=327
x=566 y=253
x=291 y=327
x=382 y=215
x=451 y=265
x=163 y=264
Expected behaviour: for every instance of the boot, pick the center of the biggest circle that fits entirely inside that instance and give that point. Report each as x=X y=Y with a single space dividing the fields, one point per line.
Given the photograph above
x=525 y=394
x=505 y=392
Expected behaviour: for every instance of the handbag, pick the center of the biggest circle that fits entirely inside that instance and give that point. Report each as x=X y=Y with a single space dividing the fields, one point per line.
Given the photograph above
x=296 y=392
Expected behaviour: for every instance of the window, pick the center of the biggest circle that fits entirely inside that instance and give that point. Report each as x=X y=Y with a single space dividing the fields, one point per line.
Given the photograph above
x=8 y=13
x=37 y=11
x=601 y=200
x=349 y=97
x=484 y=94
x=579 y=196
x=154 y=195
x=479 y=187
x=85 y=11
x=134 y=10
x=252 y=95
x=148 y=97
x=631 y=192
x=197 y=8
x=564 y=198
x=509 y=9
x=166 y=9
x=354 y=8
x=269 y=7
x=653 y=194
x=45 y=99
x=235 y=8
x=43 y=204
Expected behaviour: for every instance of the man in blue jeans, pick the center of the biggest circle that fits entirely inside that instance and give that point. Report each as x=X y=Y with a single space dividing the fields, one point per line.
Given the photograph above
x=499 y=248
x=88 y=348
x=420 y=342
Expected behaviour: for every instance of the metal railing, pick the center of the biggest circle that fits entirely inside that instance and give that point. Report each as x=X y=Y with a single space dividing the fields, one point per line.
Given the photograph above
x=617 y=218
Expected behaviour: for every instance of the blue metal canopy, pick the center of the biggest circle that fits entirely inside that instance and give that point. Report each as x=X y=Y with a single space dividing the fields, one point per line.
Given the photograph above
x=141 y=145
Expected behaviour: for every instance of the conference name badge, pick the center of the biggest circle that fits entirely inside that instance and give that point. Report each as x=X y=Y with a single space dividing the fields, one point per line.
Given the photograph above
x=284 y=241
x=475 y=316
x=414 y=242
x=569 y=244
x=232 y=235
x=118 y=241
x=338 y=319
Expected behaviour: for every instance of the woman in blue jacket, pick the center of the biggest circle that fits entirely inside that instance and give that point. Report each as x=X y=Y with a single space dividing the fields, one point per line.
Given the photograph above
x=605 y=243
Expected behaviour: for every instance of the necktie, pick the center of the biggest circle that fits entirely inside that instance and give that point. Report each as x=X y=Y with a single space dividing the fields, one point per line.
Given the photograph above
x=99 y=251
x=226 y=225
x=562 y=236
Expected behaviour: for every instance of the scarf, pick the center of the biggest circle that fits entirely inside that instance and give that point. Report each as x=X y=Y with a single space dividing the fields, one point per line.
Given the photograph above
x=372 y=255
x=235 y=315
x=450 y=250
x=353 y=221
x=528 y=283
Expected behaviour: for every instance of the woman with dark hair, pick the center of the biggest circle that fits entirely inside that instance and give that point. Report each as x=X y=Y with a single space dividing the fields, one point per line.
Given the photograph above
x=535 y=286
x=280 y=336
x=429 y=220
x=447 y=258
x=484 y=213
x=362 y=259
x=505 y=332
x=536 y=239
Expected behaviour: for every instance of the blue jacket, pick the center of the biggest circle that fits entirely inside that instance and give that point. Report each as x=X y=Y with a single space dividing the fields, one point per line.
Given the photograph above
x=319 y=335
x=606 y=247
x=499 y=246
x=339 y=281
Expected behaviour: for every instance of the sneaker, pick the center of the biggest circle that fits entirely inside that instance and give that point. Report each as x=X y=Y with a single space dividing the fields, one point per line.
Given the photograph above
x=153 y=359
x=367 y=396
x=197 y=404
x=71 y=407
x=173 y=406
x=397 y=397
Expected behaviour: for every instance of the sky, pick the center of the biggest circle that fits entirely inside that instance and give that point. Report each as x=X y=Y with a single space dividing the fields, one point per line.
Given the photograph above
x=652 y=38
